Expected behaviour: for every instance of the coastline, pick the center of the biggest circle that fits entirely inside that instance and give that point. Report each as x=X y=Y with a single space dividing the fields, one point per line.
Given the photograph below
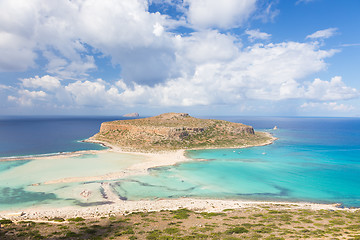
x=268 y=142
x=286 y=214
x=117 y=206
x=51 y=155
x=121 y=207
x=151 y=160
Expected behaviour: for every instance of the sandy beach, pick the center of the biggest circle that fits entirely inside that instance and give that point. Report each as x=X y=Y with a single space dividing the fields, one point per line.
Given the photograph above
x=151 y=160
x=119 y=207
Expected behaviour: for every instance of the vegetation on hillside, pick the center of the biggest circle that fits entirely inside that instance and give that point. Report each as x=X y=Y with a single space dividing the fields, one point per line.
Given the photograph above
x=264 y=222
x=174 y=131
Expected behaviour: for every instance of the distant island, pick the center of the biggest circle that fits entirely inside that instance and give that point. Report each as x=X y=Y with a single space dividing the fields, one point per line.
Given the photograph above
x=135 y=114
x=174 y=131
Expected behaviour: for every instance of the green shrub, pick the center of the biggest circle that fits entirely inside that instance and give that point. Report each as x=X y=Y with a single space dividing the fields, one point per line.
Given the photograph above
x=77 y=219
x=57 y=219
x=182 y=213
x=209 y=215
x=337 y=221
x=5 y=221
x=71 y=234
x=154 y=235
x=236 y=230
x=171 y=230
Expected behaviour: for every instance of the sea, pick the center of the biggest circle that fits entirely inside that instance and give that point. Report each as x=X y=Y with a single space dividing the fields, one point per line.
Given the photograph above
x=313 y=160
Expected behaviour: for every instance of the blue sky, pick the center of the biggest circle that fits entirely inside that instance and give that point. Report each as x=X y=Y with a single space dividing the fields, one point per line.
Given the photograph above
x=204 y=57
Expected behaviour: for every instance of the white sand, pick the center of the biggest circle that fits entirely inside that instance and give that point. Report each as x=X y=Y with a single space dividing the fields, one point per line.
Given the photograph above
x=125 y=207
x=151 y=160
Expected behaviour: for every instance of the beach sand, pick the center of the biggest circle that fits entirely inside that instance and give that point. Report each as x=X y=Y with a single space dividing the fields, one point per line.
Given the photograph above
x=119 y=207
x=151 y=160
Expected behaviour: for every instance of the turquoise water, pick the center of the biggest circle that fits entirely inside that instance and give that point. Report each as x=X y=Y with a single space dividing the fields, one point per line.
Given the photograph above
x=23 y=182
x=315 y=159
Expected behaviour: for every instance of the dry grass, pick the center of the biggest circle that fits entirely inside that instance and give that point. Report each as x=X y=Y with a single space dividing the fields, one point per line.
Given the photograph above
x=173 y=131
x=266 y=222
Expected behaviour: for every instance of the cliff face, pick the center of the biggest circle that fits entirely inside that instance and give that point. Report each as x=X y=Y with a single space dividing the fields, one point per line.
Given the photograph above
x=174 y=131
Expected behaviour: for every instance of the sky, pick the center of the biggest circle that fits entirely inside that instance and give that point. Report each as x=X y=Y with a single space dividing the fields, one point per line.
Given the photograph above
x=203 y=57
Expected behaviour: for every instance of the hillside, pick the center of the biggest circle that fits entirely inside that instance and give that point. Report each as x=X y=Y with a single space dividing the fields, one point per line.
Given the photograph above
x=172 y=131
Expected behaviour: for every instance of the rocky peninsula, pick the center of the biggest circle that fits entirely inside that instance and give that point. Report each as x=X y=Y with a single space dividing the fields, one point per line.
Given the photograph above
x=174 y=131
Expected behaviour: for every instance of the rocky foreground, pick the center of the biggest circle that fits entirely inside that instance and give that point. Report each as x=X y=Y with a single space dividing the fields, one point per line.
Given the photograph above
x=173 y=131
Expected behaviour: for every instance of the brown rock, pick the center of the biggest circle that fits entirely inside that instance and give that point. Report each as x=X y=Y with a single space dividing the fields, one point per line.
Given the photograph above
x=175 y=131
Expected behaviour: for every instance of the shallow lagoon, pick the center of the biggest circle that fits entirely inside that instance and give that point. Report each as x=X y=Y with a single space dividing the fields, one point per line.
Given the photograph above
x=277 y=175
x=22 y=181
x=315 y=159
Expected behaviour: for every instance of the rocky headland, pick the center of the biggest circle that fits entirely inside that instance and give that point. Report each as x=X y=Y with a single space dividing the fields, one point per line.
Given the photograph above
x=173 y=131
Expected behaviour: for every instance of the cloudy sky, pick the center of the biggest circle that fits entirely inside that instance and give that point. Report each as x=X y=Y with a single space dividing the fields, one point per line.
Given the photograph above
x=204 y=57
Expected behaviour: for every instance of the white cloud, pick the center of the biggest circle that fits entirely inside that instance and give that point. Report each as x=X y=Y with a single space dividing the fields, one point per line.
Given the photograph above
x=222 y=14
x=137 y=41
x=335 y=89
x=16 y=35
x=207 y=46
x=331 y=106
x=158 y=68
x=4 y=87
x=262 y=72
x=322 y=34
x=26 y=97
x=16 y=52
x=69 y=69
x=33 y=94
x=90 y=93
x=266 y=72
x=256 y=34
x=65 y=32
x=267 y=11
x=158 y=29
x=46 y=82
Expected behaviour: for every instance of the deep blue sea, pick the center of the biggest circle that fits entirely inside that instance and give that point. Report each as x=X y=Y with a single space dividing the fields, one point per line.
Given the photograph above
x=314 y=159
x=22 y=136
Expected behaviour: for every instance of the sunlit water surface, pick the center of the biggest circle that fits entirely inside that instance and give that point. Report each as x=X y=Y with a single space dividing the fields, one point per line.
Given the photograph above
x=315 y=159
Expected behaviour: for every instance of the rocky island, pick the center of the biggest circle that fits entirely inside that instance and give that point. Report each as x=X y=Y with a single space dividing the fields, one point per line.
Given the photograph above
x=131 y=115
x=174 y=131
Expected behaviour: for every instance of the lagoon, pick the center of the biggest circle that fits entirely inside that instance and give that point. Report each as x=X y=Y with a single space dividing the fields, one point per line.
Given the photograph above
x=315 y=159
